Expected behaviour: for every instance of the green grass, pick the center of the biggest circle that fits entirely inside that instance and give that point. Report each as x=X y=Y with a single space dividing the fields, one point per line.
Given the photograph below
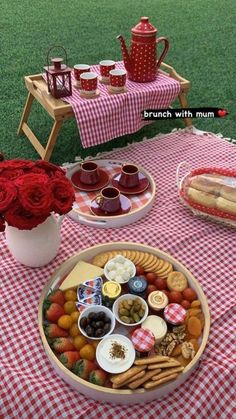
x=202 y=39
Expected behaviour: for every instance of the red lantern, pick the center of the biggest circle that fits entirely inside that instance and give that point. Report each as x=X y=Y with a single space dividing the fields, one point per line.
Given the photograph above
x=58 y=76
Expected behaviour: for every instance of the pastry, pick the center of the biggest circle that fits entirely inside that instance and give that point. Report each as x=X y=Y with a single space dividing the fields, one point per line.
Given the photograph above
x=203 y=198
x=228 y=192
x=205 y=184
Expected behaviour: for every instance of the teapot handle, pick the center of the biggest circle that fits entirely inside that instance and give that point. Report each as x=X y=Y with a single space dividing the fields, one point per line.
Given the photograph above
x=165 y=50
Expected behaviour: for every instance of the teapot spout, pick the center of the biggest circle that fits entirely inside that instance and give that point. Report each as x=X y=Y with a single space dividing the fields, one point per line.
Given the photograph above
x=126 y=57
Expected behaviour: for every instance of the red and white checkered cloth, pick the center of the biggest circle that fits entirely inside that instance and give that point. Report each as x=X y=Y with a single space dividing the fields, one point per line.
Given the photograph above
x=143 y=340
x=30 y=388
x=174 y=313
x=110 y=116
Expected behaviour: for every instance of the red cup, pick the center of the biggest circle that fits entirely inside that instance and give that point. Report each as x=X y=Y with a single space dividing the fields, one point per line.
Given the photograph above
x=117 y=80
x=89 y=174
x=129 y=176
x=80 y=69
x=105 y=67
x=89 y=83
x=109 y=199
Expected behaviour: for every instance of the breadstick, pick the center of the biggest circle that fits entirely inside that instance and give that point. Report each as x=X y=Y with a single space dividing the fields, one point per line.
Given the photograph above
x=172 y=363
x=167 y=372
x=146 y=377
x=151 y=360
x=135 y=377
x=151 y=384
x=121 y=378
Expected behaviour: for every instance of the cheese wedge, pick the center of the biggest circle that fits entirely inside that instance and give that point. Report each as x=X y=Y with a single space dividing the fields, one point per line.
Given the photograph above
x=83 y=271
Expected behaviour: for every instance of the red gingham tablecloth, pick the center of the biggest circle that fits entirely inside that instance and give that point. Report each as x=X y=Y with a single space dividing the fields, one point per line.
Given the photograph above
x=110 y=116
x=30 y=388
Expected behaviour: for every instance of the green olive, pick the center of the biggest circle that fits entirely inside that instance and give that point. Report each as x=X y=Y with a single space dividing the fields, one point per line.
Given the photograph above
x=125 y=319
x=124 y=312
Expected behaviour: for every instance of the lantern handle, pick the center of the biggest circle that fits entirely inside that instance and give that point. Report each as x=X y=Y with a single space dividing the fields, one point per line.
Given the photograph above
x=57 y=46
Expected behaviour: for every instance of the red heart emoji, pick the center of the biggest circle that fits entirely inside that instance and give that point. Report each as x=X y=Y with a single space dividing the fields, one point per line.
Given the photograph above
x=222 y=112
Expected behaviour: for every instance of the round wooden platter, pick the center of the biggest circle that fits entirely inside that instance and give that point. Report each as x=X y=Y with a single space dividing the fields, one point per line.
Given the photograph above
x=110 y=395
x=89 y=219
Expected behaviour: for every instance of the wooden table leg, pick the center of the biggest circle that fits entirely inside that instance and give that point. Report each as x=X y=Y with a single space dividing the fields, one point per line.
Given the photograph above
x=26 y=112
x=184 y=104
x=52 y=139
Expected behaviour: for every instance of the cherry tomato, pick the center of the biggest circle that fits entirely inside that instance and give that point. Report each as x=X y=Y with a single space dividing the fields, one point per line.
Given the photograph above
x=139 y=270
x=160 y=283
x=151 y=277
x=189 y=294
x=166 y=292
x=175 y=297
x=185 y=304
x=151 y=288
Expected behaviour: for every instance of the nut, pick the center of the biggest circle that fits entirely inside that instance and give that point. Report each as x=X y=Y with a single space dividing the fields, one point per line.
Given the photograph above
x=188 y=350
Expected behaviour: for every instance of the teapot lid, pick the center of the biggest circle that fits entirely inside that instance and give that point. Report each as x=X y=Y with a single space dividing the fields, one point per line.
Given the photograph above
x=144 y=27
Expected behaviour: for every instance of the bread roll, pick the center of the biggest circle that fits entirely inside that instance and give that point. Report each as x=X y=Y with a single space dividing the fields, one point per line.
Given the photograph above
x=203 y=198
x=228 y=192
x=205 y=184
x=225 y=205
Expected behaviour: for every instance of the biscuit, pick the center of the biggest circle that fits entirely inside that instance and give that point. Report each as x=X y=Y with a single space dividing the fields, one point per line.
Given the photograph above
x=150 y=261
x=176 y=281
x=163 y=380
x=100 y=260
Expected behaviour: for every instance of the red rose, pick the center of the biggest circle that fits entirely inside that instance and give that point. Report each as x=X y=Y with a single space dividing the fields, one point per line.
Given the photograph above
x=2 y=224
x=32 y=178
x=35 y=196
x=51 y=169
x=16 y=164
x=11 y=174
x=16 y=216
x=63 y=194
x=8 y=193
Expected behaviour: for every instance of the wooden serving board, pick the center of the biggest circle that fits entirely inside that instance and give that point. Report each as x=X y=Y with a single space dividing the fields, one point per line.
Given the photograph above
x=110 y=395
x=141 y=204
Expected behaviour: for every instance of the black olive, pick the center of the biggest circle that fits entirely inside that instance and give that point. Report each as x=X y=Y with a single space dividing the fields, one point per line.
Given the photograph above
x=106 y=328
x=94 y=324
x=107 y=320
x=99 y=325
x=91 y=316
x=83 y=322
x=89 y=330
x=101 y=315
x=99 y=332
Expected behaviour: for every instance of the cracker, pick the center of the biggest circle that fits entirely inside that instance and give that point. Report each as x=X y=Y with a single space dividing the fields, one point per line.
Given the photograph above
x=137 y=383
x=151 y=360
x=100 y=259
x=172 y=363
x=135 y=377
x=124 y=376
x=153 y=265
x=152 y=384
x=167 y=372
x=150 y=261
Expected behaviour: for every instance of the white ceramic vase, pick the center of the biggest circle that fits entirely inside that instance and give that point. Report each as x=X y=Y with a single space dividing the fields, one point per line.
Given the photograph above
x=35 y=247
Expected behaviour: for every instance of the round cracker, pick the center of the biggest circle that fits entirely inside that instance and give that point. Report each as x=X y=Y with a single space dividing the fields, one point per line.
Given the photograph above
x=164 y=267
x=152 y=265
x=167 y=272
x=138 y=258
x=100 y=260
x=150 y=261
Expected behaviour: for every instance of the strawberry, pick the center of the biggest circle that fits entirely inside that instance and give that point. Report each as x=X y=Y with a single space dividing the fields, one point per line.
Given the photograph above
x=83 y=368
x=61 y=345
x=53 y=311
x=54 y=331
x=69 y=358
x=56 y=296
x=98 y=377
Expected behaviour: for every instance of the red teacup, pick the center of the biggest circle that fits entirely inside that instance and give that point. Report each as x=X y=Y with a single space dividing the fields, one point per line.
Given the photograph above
x=109 y=199
x=105 y=67
x=89 y=174
x=80 y=69
x=117 y=80
x=129 y=176
x=89 y=83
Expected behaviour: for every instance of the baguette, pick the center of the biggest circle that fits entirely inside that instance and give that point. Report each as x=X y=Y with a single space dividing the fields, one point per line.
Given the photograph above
x=151 y=360
x=135 y=377
x=167 y=372
x=124 y=376
x=152 y=384
x=205 y=184
x=203 y=198
x=172 y=363
x=225 y=205
x=149 y=374
x=229 y=193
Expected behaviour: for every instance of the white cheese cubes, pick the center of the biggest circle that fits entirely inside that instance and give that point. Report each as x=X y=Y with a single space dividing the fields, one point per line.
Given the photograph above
x=119 y=269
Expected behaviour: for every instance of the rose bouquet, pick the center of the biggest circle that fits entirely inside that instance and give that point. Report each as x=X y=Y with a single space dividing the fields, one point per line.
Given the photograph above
x=31 y=191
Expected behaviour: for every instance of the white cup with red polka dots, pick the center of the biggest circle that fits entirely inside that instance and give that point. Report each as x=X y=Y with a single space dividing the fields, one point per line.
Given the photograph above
x=89 y=83
x=105 y=67
x=117 y=80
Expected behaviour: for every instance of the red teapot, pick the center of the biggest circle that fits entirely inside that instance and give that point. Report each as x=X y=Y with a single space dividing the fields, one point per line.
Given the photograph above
x=141 y=64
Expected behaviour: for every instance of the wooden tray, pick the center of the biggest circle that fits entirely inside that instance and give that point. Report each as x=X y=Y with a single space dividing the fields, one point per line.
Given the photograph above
x=107 y=394
x=140 y=208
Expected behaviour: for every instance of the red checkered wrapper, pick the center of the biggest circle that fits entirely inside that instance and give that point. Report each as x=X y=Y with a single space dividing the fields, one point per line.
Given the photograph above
x=143 y=340
x=111 y=116
x=31 y=388
x=174 y=313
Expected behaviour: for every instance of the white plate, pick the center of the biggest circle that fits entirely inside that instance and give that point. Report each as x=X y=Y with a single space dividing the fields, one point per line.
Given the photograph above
x=118 y=365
